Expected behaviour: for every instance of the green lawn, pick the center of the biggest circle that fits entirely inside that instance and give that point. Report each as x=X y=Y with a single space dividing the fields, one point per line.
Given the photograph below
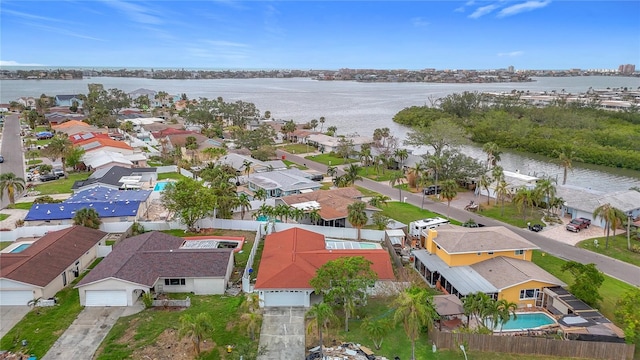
x=617 y=248
x=372 y=173
x=329 y=159
x=406 y=213
x=34 y=162
x=137 y=331
x=511 y=213
x=4 y=244
x=21 y=206
x=297 y=148
x=611 y=290
x=43 y=142
x=366 y=192
x=291 y=164
x=174 y=176
x=4 y=216
x=60 y=186
x=42 y=326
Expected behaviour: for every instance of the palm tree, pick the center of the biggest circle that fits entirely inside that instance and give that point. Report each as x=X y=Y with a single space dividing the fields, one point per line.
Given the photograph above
x=449 y=192
x=523 y=198
x=12 y=184
x=612 y=217
x=435 y=163
x=260 y=194
x=197 y=328
x=380 y=221
x=547 y=190
x=503 y=310
x=252 y=317
x=332 y=130
x=87 y=217
x=366 y=157
x=332 y=171
x=351 y=174
x=376 y=329
x=484 y=182
x=322 y=120
x=414 y=175
x=59 y=147
x=244 y=203
x=497 y=173
x=314 y=216
x=415 y=309
x=401 y=155
x=357 y=216
x=379 y=200
x=396 y=179
x=321 y=315
x=502 y=191
x=493 y=153
x=566 y=156
x=246 y=164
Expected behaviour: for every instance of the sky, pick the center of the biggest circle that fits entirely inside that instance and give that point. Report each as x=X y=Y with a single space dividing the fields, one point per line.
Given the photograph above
x=229 y=34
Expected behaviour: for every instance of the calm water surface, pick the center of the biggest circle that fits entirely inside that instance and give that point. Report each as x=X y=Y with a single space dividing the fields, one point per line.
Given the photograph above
x=356 y=108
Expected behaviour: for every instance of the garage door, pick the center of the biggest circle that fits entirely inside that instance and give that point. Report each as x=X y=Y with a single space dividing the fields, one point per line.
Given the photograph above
x=15 y=297
x=285 y=298
x=106 y=298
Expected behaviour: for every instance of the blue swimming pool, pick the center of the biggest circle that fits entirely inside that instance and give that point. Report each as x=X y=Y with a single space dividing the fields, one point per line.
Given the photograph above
x=20 y=248
x=160 y=186
x=527 y=321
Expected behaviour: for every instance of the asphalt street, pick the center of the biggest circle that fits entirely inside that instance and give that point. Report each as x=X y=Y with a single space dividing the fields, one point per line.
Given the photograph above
x=11 y=149
x=612 y=267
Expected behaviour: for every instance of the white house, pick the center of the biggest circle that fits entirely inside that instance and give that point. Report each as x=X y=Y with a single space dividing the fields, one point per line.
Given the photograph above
x=155 y=262
x=39 y=269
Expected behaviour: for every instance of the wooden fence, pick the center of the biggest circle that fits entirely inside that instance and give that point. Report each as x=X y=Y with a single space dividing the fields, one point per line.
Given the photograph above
x=531 y=345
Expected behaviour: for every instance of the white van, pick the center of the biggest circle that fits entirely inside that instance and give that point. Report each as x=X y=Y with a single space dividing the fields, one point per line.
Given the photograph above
x=417 y=227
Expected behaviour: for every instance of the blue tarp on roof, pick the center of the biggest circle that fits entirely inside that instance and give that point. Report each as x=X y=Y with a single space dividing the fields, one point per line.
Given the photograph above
x=63 y=211
x=105 y=194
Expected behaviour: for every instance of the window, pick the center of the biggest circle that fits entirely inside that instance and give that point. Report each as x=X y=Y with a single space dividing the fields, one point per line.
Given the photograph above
x=527 y=294
x=519 y=252
x=174 y=282
x=490 y=253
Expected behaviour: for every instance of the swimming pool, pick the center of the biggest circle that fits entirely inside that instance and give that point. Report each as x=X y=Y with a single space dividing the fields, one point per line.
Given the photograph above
x=527 y=321
x=349 y=245
x=20 y=248
x=160 y=186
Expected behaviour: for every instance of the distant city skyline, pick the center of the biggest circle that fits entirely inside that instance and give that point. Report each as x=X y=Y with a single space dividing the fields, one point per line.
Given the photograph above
x=533 y=34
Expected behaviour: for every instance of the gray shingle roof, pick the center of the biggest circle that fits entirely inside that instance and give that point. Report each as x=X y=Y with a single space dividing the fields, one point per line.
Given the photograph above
x=286 y=180
x=111 y=176
x=456 y=240
x=627 y=200
x=504 y=272
x=144 y=258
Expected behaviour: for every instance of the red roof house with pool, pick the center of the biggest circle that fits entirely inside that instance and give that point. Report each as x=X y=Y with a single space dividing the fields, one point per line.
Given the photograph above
x=290 y=259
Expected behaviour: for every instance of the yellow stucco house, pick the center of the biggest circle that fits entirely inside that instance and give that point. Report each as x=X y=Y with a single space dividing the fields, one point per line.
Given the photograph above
x=493 y=260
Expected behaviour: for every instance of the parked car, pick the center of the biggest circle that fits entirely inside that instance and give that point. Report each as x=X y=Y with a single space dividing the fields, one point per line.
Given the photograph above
x=578 y=224
x=472 y=224
x=536 y=227
x=432 y=190
x=58 y=172
x=43 y=135
x=48 y=177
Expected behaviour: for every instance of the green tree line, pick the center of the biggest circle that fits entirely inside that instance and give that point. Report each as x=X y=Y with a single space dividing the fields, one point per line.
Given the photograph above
x=609 y=138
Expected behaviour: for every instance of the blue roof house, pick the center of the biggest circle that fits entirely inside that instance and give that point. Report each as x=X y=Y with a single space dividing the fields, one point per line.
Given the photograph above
x=111 y=205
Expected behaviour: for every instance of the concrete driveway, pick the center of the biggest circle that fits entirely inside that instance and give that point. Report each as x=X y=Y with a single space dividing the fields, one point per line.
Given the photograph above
x=9 y=317
x=283 y=334
x=84 y=336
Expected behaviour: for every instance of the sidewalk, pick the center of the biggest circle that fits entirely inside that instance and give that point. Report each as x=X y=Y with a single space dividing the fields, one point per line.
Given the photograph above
x=14 y=215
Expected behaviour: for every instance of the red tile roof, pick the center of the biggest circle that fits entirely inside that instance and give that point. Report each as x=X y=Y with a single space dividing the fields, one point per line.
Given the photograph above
x=105 y=142
x=70 y=123
x=49 y=256
x=290 y=259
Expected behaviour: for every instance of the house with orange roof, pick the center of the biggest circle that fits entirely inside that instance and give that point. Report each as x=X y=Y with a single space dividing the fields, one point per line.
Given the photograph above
x=108 y=144
x=290 y=259
x=332 y=205
x=72 y=127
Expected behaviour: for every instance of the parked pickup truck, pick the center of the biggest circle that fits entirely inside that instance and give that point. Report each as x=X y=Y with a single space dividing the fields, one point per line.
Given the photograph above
x=578 y=224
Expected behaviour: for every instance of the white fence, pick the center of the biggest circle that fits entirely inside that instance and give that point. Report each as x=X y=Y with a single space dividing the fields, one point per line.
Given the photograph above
x=246 y=276
x=116 y=227
x=30 y=231
x=103 y=250
x=166 y=169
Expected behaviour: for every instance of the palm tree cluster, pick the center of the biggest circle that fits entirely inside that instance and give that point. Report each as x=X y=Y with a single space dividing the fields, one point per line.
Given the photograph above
x=349 y=178
x=487 y=311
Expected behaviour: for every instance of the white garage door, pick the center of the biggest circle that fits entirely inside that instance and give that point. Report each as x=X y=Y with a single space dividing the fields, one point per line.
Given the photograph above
x=106 y=298
x=284 y=298
x=15 y=297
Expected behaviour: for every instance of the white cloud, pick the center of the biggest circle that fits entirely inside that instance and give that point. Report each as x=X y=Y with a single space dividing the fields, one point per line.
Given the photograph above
x=31 y=16
x=15 y=63
x=523 y=7
x=511 y=54
x=419 y=22
x=63 y=31
x=223 y=43
x=135 y=12
x=483 y=10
